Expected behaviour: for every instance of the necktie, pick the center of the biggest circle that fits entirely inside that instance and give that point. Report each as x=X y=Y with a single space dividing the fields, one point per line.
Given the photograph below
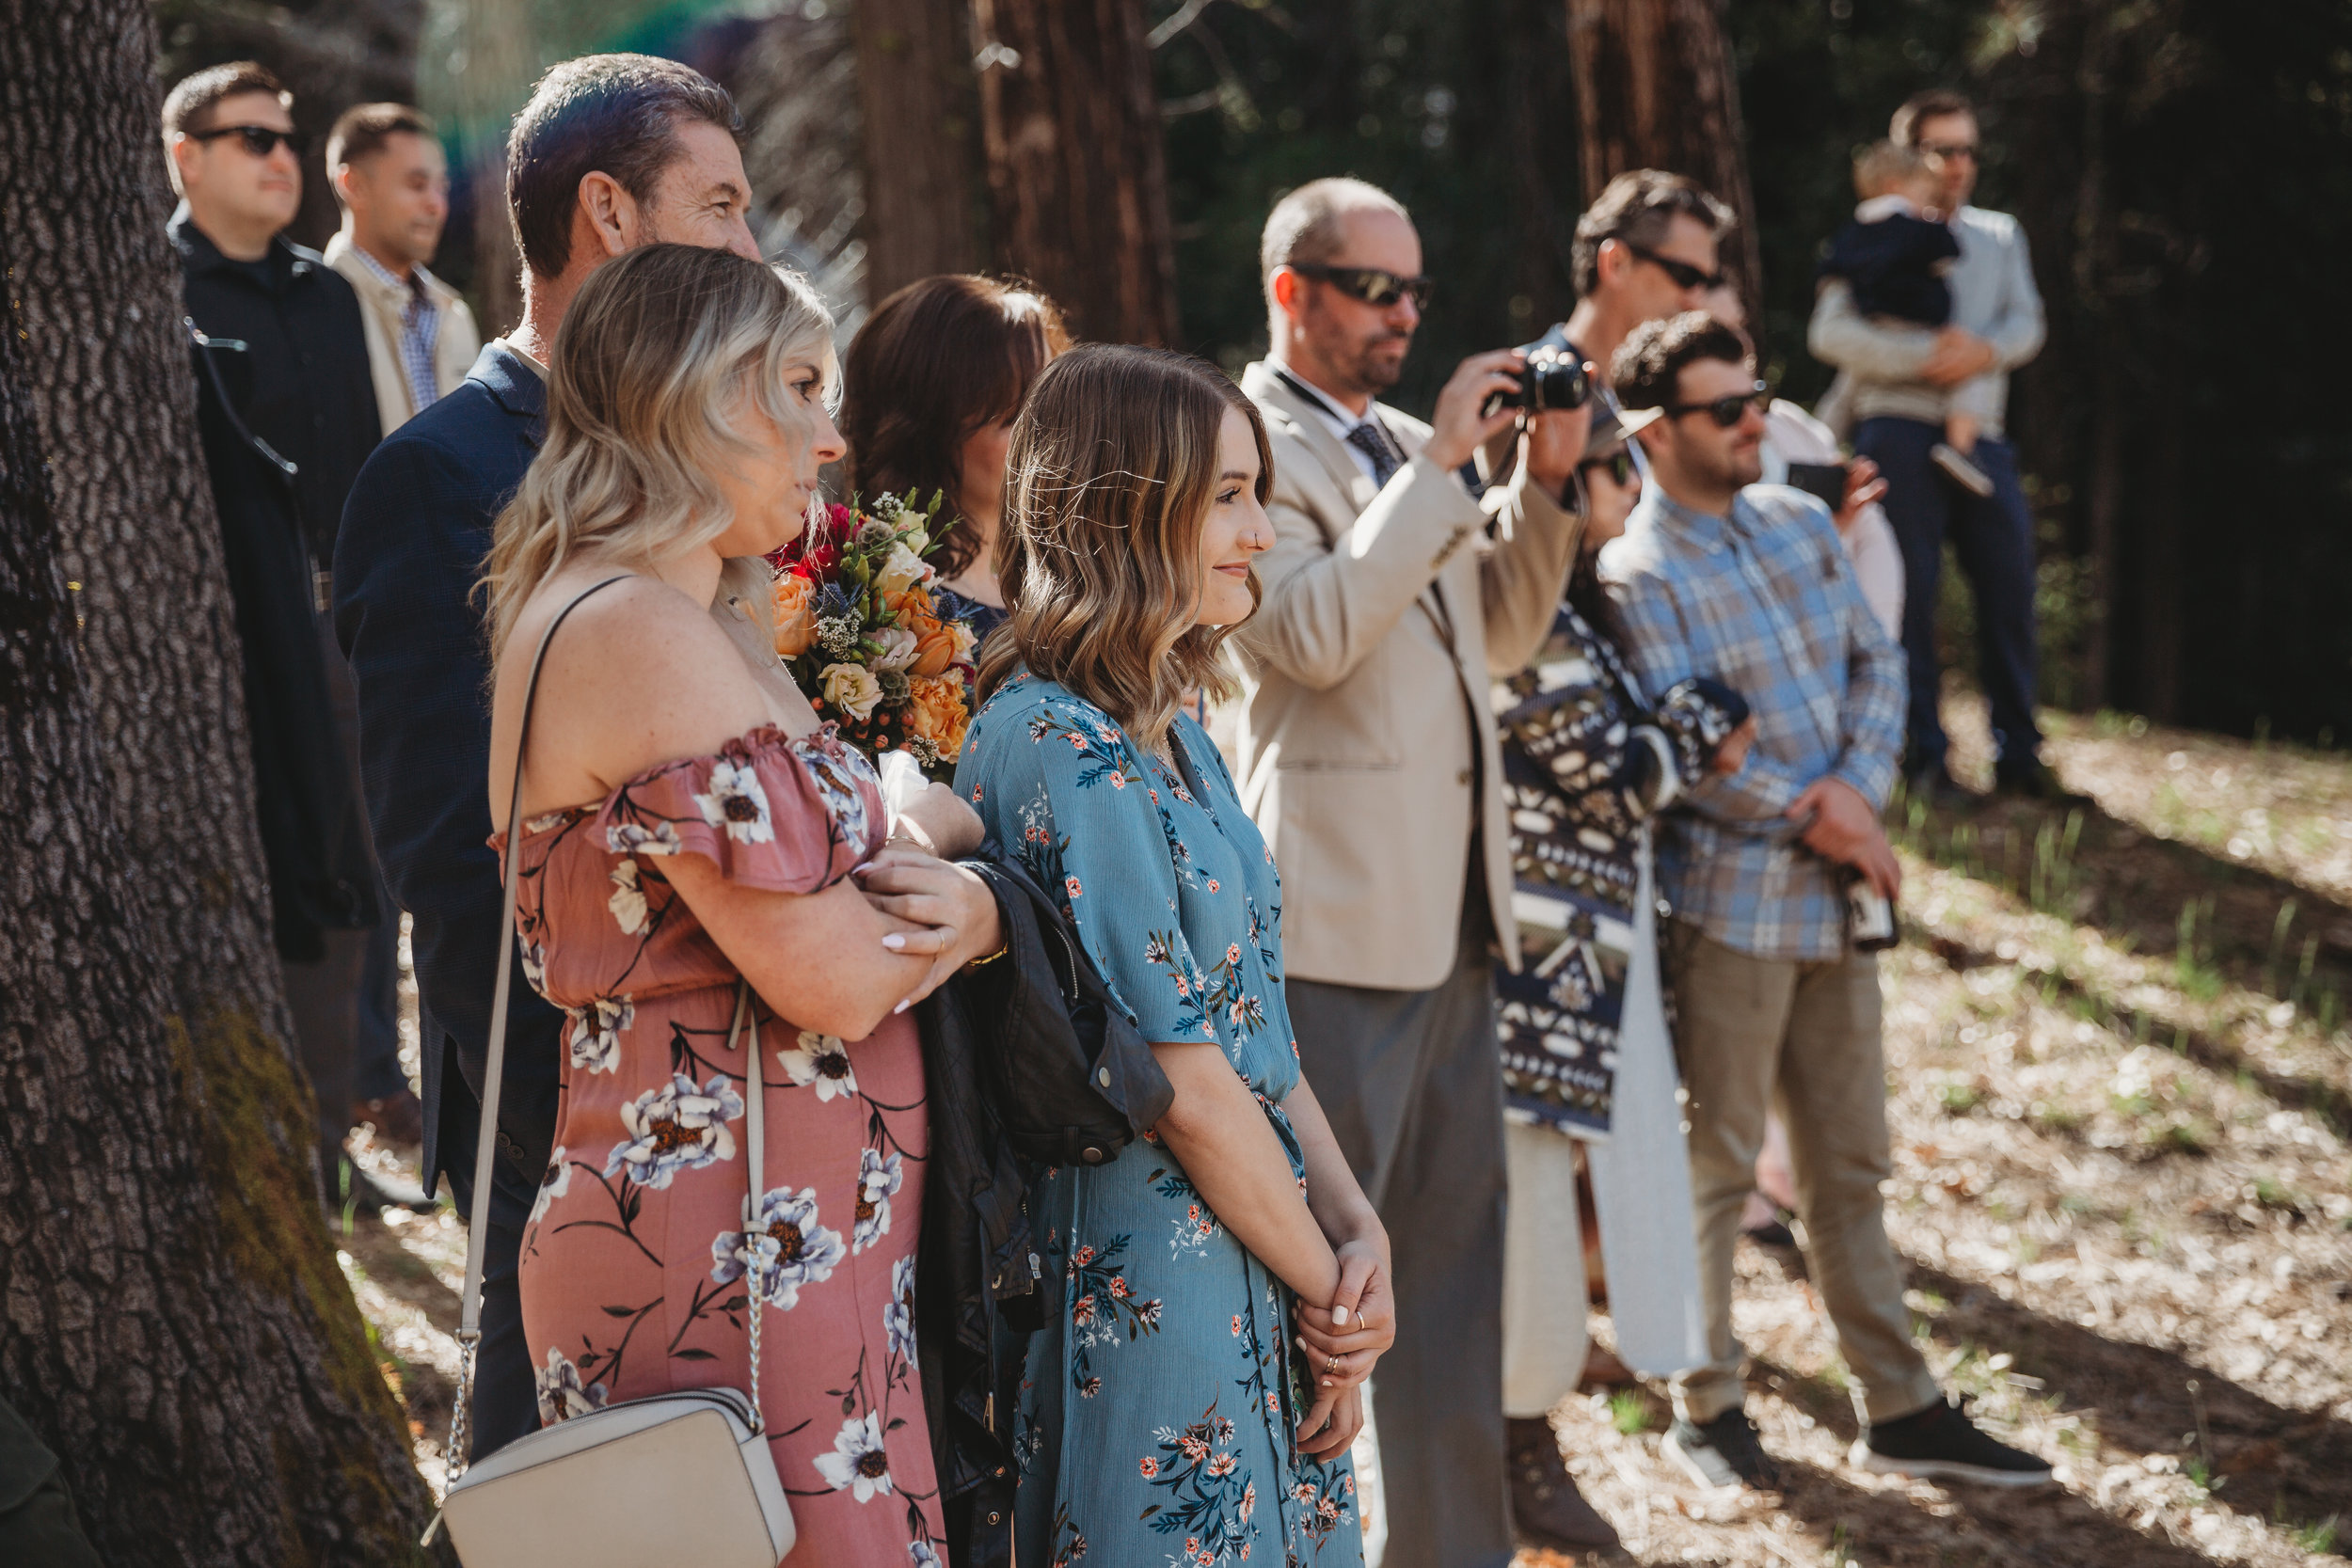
x=1369 y=439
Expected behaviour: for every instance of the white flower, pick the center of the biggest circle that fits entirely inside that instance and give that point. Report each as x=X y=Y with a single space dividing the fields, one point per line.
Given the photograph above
x=857 y=1461
x=851 y=689
x=553 y=1183
x=736 y=803
x=902 y=571
x=821 y=1060
x=921 y=1554
x=961 y=632
x=535 y=966
x=561 y=1393
x=899 y=649
x=794 y=1250
x=631 y=838
x=878 y=1176
x=676 y=1128
x=898 y=1312
x=628 y=902
x=596 y=1033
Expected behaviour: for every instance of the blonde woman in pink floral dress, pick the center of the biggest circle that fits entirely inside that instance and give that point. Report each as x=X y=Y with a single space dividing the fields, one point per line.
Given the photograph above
x=684 y=831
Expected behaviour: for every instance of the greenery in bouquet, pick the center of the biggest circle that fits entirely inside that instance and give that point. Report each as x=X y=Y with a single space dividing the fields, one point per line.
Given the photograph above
x=856 y=623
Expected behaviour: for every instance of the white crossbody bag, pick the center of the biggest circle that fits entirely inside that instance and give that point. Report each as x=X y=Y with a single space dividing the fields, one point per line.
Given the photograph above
x=573 y=1495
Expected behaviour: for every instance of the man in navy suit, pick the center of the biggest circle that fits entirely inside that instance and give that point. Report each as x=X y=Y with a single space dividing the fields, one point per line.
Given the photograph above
x=612 y=152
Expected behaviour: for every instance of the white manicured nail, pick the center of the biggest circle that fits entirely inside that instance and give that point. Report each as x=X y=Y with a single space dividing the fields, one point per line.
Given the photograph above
x=893 y=942
x=1338 y=1314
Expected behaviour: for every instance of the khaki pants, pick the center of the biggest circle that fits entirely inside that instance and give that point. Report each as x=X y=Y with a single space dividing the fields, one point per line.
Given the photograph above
x=1751 y=1033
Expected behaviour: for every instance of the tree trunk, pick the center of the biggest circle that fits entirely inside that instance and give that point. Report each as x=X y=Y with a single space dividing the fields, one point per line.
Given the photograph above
x=917 y=104
x=1655 y=89
x=1077 y=183
x=172 y=1318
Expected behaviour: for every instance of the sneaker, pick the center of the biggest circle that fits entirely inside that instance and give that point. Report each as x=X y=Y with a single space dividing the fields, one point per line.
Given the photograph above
x=1725 y=1452
x=1548 y=1513
x=2035 y=780
x=1941 y=1444
x=1960 y=470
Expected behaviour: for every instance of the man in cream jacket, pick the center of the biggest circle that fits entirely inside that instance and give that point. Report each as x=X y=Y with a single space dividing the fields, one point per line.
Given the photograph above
x=393 y=181
x=1392 y=597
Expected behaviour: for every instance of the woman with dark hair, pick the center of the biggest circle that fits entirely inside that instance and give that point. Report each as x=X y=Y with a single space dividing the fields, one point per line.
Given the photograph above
x=931 y=384
x=1218 y=1292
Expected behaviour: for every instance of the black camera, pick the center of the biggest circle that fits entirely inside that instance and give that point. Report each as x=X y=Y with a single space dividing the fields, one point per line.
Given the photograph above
x=1554 y=378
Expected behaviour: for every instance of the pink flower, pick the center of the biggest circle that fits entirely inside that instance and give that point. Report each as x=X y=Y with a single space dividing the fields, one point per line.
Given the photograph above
x=1151 y=1466
x=1236 y=1326
x=1233 y=949
x=1072 y=883
x=1213 y=884
x=1119 y=781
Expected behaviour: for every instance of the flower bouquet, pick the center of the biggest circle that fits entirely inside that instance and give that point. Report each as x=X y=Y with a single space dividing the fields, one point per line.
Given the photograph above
x=856 y=625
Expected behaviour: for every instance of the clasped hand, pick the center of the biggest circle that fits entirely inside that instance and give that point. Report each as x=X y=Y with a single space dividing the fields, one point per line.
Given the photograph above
x=1343 y=1343
x=950 y=913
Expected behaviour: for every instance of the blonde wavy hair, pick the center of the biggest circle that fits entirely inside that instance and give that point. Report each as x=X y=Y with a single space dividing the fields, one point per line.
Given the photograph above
x=1110 y=475
x=649 y=370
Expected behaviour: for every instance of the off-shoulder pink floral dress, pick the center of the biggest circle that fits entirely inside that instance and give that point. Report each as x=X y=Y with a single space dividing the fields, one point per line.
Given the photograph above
x=633 y=1267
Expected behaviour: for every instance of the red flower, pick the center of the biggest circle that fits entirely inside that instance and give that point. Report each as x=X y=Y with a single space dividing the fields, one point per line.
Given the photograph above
x=1150 y=1466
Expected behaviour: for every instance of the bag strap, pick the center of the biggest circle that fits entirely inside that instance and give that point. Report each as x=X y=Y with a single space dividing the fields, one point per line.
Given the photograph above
x=485 y=1137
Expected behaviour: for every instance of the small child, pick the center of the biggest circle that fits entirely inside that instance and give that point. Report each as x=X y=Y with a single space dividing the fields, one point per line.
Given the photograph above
x=1895 y=255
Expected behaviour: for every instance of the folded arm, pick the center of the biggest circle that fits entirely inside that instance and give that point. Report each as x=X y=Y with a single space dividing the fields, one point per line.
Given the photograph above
x=1659 y=647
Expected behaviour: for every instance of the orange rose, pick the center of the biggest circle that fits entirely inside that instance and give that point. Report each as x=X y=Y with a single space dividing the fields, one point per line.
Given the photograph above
x=934 y=651
x=795 y=620
x=935 y=711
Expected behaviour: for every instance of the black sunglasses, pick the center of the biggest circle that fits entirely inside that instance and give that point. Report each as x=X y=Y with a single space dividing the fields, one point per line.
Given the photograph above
x=260 y=140
x=1685 y=275
x=1375 y=286
x=1725 y=412
x=1949 y=149
x=1619 y=462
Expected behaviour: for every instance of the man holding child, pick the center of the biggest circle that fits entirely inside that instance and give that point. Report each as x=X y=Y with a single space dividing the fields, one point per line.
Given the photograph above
x=1908 y=379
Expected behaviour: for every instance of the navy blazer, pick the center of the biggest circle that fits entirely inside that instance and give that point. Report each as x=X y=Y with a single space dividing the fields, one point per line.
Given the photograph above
x=413 y=540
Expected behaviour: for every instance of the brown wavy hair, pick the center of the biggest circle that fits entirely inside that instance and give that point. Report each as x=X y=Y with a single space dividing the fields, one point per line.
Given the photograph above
x=934 y=362
x=1111 y=474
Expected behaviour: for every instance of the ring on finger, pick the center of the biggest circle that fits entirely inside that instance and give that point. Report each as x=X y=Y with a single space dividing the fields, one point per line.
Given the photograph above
x=1330 y=1364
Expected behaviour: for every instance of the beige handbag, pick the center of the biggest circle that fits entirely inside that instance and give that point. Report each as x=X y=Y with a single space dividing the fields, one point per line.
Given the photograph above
x=673 y=1478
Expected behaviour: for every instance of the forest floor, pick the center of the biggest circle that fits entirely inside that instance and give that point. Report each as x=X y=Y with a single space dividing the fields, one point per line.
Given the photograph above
x=2120 y=1083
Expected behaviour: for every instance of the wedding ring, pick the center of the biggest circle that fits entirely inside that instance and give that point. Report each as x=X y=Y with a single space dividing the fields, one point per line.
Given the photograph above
x=1330 y=1364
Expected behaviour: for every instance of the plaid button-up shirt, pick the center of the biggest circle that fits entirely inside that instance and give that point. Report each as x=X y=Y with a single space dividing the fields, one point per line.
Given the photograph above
x=419 y=329
x=1764 y=602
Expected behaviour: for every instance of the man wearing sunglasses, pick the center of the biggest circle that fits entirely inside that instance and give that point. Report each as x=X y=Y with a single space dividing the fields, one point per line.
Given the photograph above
x=1648 y=248
x=1369 y=760
x=1719 y=577
x=1899 y=375
x=286 y=404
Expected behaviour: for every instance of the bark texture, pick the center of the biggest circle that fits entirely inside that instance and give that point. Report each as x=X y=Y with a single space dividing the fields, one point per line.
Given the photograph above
x=1655 y=89
x=918 y=107
x=1077 y=183
x=172 y=1318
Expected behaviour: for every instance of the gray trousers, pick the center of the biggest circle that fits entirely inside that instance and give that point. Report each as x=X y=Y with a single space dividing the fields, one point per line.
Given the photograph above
x=1413 y=1085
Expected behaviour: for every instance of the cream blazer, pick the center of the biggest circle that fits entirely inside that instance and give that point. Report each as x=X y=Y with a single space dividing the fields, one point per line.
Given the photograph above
x=455 y=349
x=1386 y=615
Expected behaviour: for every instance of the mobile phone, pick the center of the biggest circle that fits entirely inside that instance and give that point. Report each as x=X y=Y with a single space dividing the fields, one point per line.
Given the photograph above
x=1825 y=480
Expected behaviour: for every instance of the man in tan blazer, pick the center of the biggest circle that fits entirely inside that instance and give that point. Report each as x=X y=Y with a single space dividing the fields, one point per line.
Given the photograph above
x=1392 y=597
x=391 y=180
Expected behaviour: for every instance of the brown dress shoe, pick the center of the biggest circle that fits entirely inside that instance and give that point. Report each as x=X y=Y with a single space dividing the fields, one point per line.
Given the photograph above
x=1547 y=1509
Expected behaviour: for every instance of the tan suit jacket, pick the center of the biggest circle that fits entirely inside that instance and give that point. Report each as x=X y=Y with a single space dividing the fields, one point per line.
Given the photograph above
x=454 y=348
x=1385 y=616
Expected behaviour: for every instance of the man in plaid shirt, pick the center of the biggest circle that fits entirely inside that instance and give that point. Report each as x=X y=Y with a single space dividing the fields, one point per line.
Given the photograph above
x=1720 y=577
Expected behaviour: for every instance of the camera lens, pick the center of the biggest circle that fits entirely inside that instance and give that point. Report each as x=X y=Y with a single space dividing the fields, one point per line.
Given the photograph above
x=1557 y=384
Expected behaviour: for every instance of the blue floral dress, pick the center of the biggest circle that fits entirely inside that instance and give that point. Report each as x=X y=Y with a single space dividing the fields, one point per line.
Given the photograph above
x=1156 y=1405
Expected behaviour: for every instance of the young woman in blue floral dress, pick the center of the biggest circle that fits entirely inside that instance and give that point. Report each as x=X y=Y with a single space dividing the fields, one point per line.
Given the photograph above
x=1218 y=1291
